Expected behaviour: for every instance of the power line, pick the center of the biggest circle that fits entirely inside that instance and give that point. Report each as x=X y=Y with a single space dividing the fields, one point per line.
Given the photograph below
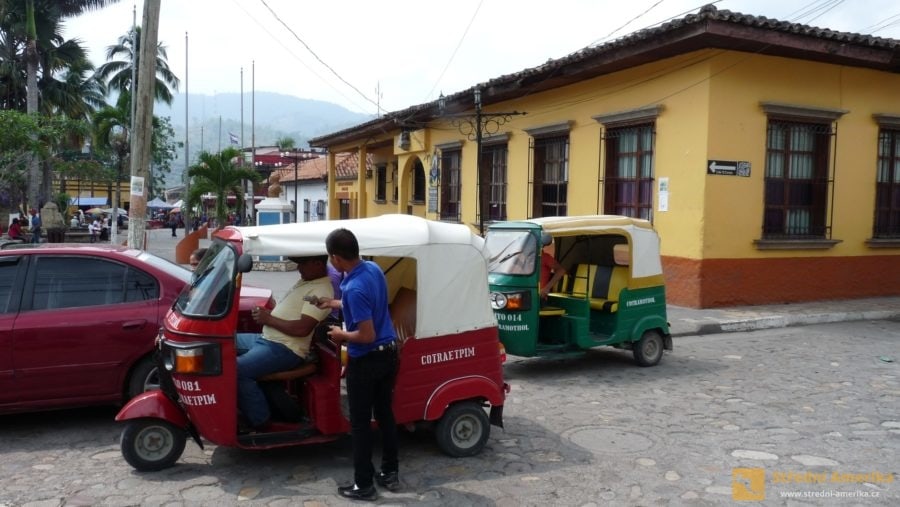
x=361 y=94
x=268 y=32
x=453 y=55
x=610 y=34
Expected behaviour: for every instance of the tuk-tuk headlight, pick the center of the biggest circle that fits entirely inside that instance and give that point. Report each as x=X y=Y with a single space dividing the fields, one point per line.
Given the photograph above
x=196 y=358
x=498 y=300
x=513 y=301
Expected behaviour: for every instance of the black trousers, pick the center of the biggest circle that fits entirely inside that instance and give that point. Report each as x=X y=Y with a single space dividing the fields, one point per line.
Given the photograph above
x=370 y=386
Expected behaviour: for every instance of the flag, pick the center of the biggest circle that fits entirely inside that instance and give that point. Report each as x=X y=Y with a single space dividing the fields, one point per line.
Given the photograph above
x=234 y=138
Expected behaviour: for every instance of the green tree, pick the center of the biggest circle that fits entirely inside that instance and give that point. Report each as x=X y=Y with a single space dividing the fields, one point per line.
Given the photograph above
x=35 y=54
x=164 y=153
x=116 y=72
x=285 y=143
x=26 y=137
x=221 y=175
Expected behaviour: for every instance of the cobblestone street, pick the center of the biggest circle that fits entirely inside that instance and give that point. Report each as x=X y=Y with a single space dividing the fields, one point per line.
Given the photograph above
x=590 y=429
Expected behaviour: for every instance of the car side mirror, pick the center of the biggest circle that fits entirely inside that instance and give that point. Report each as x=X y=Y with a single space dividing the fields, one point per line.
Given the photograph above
x=245 y=263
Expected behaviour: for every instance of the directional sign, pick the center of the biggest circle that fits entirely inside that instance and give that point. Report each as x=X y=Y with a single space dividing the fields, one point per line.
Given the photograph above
x=729 y=167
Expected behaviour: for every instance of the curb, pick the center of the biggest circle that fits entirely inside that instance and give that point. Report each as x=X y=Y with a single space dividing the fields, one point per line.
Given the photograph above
x=780 y=321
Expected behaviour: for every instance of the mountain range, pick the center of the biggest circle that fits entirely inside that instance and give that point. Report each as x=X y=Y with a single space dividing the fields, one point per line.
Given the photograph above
x=212 y=118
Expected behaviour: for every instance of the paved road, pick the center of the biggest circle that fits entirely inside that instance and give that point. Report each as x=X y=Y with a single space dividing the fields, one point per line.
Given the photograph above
x=591 y=429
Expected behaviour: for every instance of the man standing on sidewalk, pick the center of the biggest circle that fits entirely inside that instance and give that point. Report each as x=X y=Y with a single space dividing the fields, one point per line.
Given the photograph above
x=372 y=366
x=36 y=225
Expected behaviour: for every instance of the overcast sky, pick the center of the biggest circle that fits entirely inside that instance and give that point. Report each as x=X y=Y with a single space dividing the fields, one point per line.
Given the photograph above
x=411 y=50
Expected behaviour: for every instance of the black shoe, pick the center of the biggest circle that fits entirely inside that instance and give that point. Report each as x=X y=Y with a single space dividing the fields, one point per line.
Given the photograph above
x=356 y=493
x=389 y=481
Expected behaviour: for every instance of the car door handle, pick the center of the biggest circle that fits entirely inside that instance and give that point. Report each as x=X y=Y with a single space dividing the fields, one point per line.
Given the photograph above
x=134 y=324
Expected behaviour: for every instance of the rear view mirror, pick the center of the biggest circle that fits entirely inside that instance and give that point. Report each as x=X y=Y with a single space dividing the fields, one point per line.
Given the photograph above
x=245 y=263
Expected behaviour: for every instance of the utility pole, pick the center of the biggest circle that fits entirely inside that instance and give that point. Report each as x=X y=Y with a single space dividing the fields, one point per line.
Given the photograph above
x=143 y=123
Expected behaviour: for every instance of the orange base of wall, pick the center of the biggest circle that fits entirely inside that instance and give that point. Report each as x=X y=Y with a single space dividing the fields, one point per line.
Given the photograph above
x=714 y=283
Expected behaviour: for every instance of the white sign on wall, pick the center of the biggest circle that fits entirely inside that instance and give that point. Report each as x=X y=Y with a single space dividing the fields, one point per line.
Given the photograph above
x=663 y=195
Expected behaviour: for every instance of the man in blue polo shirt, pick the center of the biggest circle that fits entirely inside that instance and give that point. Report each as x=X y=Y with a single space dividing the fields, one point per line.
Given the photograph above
x=372 y=366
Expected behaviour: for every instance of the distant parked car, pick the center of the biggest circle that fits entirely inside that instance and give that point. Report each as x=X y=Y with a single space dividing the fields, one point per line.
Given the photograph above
x=78 y=323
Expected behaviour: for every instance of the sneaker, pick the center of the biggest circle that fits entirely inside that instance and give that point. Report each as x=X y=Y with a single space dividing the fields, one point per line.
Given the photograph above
x=354 y=492
x=389 y=481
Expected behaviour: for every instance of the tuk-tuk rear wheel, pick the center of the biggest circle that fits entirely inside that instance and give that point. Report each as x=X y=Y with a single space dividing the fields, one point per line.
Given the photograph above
x=152 y=444
x=648 y=351
x=463 y=430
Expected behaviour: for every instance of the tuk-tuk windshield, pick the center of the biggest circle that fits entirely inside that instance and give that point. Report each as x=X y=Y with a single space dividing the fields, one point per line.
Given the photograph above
x=511 y=252
x=212 y=284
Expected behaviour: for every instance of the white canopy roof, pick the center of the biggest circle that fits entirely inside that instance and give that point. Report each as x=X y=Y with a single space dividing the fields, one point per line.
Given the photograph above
x=451 y=265
x=644 y=241
x=159 y=203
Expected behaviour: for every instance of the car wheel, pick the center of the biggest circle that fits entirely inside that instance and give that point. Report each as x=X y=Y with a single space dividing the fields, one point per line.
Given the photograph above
x=152 y=444
x=144 y=377
x=463 y=430
x=649 y=349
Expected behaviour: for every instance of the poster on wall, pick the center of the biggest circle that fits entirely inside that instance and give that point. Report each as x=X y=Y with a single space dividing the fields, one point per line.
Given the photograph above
x=663 y=195
x=432 y=199
x=137 y=185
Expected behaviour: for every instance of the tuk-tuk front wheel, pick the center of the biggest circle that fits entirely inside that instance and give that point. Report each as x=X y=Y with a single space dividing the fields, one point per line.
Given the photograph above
x=649 y=349
x=152 y=444
x=463 y=430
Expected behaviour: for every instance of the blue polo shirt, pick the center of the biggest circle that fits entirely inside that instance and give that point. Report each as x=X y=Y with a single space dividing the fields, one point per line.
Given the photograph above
x=364 y=297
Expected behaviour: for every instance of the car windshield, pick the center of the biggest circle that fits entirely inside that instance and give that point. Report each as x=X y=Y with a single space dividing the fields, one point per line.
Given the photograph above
x=511 y=252
x=212 y=285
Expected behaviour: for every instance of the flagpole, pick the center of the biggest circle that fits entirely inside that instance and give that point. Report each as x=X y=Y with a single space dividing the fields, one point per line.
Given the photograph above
x=248 y=207
x=185 y=207
x=253 y=124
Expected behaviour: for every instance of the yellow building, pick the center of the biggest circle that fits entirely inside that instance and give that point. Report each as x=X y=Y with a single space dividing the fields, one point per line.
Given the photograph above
x=766 y=154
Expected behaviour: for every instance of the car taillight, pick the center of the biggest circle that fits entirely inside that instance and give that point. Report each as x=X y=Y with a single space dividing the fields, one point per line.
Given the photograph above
x=502 y=353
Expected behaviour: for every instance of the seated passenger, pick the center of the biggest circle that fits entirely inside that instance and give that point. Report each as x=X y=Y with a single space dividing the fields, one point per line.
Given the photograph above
x=15 y=230
x=551 y=269
x=284 y=343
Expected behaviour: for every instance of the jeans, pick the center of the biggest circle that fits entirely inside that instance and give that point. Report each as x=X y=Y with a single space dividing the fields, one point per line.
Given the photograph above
x=370 y=386
x=257 y=357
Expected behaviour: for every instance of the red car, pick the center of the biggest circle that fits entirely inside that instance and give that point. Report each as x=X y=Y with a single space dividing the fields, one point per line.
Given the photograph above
x=78 y=323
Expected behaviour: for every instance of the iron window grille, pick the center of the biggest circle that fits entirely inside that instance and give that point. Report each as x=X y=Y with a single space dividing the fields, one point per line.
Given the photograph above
x=887 y=185
x=797 y=180
x=550 y=176
x=450 y=185
x=628 y=189
x=493 y=159
x=381 y=183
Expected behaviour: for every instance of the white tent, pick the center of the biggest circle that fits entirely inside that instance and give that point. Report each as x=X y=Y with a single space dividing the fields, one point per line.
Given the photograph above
x=159 y=203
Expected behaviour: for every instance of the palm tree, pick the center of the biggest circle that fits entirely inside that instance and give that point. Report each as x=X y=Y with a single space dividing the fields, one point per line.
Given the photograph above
x=219 y=174
x=117 y=73
x=38 y=26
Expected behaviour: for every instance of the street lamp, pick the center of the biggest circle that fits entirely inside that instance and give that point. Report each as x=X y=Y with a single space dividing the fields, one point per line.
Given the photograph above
x=474 y=128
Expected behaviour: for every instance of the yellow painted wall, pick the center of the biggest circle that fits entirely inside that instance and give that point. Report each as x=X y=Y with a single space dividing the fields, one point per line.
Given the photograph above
x=710 y=109
x=737 y=131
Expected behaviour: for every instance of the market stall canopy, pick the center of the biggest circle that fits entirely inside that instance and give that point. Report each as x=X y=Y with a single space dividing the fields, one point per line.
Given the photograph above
x=88 y=201
x=158 y=203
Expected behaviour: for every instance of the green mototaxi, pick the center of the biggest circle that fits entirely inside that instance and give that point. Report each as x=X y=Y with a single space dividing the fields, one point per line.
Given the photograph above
x=612 y=293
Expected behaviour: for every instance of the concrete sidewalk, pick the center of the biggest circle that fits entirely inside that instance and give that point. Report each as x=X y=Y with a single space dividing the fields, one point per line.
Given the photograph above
x=682 y=321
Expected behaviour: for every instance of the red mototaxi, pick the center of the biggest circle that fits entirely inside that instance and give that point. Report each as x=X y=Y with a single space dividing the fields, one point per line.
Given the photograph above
x=451 y=359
